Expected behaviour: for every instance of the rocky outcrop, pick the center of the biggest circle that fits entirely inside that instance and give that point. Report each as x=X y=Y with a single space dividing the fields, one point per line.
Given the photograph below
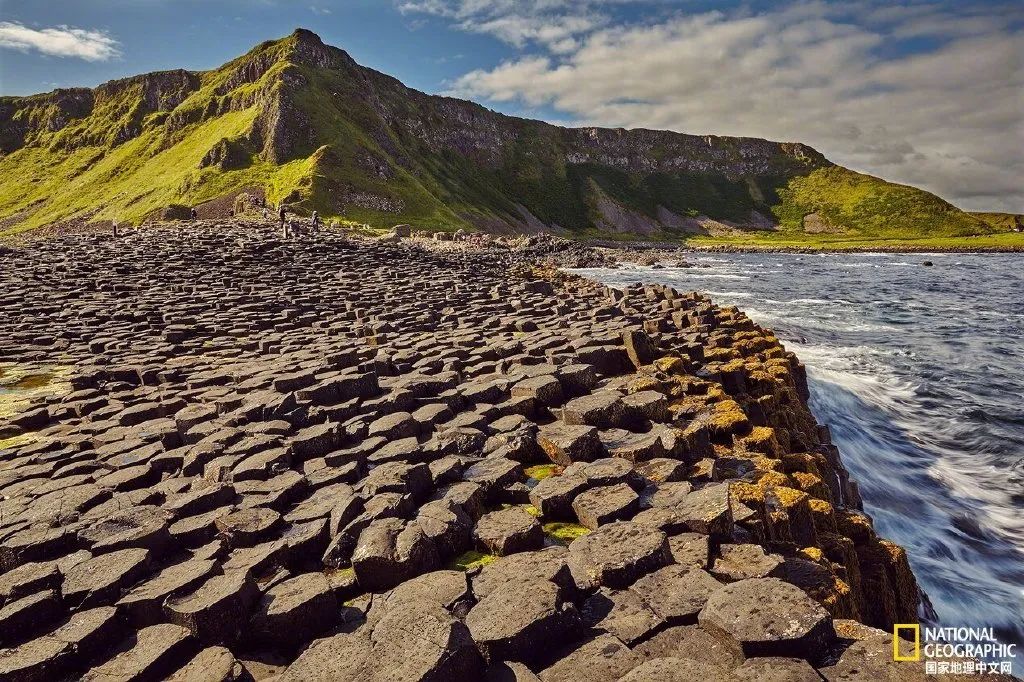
x=333 y=458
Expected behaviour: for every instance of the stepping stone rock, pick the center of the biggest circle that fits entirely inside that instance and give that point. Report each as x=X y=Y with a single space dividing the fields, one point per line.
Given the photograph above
x=662 y=470
x=781 y=670
x=567 y=443
x=447 y=526
x=389 y=551
x=101 y=580
x=23 y=617
x=394 y=426
x=493 y=474
x=554 y=495
x=28 y=579
x=521 y=621
x=678 y=670
x=676 y=593
x=738 y=562
x=548 y=564
x=769 y=617
x=143 y=527
x=217 y=611
x=399 y=477
x=603 y=658
x=547 y=389
x=422 y=641
x=143 y=605
x=691 y=550
x=648 y=406
x=295 y=610
x=508 y=531
x=602 y=409
x=38 y=660
x=341 y=657
x=707 y=510
x=149 y=654
x=621 y=613
x=450 y=589
x=606 y=471
x=91 y=632
x=617 y=554
x=213 y=664
x=248 y=527
x=691 y=642
x=599 y=506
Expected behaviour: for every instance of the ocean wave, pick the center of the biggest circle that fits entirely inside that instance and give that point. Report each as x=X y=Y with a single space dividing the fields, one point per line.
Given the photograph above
x=820 y=301
x=730 y=294
x=687 y=274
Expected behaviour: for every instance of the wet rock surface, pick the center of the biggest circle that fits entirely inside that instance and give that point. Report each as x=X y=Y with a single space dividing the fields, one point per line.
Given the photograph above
x=342 y=458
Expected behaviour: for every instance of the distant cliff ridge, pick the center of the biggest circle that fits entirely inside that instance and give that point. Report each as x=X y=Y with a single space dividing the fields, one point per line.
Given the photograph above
x=299 y=121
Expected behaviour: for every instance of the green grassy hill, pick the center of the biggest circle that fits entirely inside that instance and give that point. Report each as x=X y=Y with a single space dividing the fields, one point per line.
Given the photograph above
x=300 y=122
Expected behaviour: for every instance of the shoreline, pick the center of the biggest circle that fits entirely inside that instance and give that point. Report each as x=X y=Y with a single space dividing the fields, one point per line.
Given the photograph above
x=423 y=394
x=858 y=249
x=750 y=248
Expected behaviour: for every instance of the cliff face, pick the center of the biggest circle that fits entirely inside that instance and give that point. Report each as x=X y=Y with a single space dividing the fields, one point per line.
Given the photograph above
x=301 y=122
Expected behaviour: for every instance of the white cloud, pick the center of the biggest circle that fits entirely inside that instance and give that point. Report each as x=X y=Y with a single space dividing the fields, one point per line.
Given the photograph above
x=59 y=41
x=552 y=24
x=944 y=111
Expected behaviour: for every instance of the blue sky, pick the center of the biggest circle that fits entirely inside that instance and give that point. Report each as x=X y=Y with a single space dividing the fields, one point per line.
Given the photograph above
x=928 y=93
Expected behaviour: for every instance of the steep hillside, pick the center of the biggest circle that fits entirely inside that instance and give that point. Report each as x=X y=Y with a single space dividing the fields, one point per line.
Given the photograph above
x=300 y=122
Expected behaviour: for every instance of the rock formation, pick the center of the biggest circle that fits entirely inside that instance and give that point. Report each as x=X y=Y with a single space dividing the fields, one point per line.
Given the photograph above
x=349 y=459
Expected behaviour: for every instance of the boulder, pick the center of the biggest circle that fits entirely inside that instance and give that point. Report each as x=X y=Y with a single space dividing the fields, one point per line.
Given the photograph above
x=390 y=551
x=508 y=531
x=294 y=611
x=617 y=554
x=676 y=593
x=215 y=613
x=769 y=617
x=622 y=613
x=521 y=621
x=599 y=506
x=602 y=658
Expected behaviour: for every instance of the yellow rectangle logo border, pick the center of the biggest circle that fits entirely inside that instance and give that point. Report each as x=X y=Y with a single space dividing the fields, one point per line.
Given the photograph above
x=916 y=656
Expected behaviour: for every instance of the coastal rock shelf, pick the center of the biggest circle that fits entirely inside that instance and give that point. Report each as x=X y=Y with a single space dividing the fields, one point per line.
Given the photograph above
x=346 y=459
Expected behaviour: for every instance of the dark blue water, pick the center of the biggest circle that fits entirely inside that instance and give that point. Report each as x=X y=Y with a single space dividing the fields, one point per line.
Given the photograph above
x=920 y=373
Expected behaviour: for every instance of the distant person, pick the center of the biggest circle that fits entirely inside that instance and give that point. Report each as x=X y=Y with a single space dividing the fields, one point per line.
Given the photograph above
x=282 y=216
x=115 y=228
x=315 y=221
x=266 y=213
x=194 y=213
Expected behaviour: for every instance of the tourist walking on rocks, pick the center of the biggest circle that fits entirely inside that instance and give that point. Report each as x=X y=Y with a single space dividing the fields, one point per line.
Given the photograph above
x=284 y=222
x=194 y=213
x=315 y=221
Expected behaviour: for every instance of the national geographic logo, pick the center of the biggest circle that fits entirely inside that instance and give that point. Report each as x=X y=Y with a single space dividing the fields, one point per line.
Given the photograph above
x=953 y=650
x=897 y=640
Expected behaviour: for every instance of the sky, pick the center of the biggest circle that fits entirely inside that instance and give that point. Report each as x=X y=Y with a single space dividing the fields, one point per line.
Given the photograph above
x=927 y=93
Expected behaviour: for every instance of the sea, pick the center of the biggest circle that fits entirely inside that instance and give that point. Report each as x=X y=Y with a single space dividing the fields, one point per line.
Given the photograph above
x=919 y=372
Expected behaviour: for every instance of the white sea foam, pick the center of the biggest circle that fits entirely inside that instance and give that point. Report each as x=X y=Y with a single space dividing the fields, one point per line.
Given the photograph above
x=729 y=294
x=820 y=301
x=686 y=273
